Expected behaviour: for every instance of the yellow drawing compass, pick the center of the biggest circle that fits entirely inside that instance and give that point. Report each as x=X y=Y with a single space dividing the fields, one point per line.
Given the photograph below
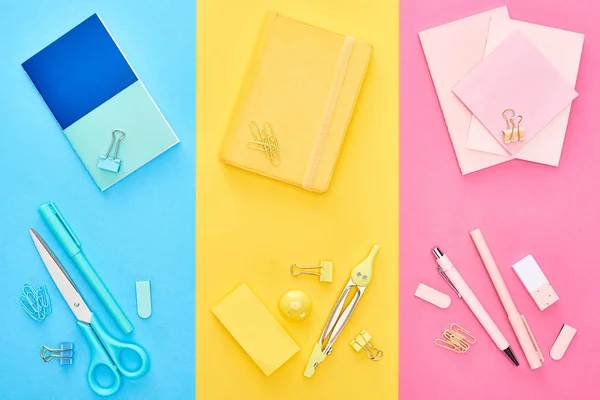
x=360 y=278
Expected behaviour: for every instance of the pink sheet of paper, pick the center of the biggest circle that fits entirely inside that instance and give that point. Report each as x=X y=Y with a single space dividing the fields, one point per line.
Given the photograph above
x=515 y=75
x=563 y=49
x=451 y=51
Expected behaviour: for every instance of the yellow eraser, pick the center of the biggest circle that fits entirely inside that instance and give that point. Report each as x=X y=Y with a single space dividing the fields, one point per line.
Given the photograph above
x=255 y=329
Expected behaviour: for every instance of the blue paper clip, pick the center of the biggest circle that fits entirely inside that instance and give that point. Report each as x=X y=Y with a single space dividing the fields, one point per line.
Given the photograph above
x=108 y=163
x=36 y=303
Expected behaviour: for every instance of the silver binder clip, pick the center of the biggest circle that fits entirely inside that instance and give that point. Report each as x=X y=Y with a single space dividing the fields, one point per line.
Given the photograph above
x=108 y=163
x=64 y=354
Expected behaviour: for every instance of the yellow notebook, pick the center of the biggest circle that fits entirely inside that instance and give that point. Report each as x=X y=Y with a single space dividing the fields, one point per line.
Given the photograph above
x=255 y=329
x=296 y=102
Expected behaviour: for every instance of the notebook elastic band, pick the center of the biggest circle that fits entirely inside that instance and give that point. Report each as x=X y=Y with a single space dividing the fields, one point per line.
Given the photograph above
x=315 y=158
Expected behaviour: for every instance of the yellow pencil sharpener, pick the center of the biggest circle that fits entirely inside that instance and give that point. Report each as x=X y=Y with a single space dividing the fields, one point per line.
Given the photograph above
x=295 y=305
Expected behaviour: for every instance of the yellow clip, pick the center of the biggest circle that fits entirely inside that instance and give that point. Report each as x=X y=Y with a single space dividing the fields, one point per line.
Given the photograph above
x=326 y=274
x=363 y=342
x=265 y=140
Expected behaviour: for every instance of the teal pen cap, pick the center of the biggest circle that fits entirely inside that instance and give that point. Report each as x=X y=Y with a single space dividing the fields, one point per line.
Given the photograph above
x=60 y=228
x=72 y=246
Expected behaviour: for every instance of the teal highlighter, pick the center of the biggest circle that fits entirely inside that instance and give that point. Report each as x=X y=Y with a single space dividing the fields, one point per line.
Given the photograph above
x=72 y=246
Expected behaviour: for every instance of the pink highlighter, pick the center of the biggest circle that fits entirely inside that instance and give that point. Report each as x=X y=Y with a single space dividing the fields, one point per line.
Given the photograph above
x=517 y=321
x=451 y=275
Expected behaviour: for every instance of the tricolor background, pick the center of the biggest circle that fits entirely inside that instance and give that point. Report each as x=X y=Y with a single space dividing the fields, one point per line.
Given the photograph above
x=200 y=228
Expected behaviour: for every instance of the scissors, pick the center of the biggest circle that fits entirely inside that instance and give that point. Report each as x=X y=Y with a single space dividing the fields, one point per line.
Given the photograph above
x=105 y=350
x=360 y=277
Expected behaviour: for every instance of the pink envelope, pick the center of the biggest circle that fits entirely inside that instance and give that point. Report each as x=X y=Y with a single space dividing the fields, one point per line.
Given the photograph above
x=563 y=49
x=515 y=75
x=451 y=51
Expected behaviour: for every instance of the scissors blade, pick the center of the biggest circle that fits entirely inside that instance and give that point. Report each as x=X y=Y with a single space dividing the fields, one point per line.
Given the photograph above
x=62 y=280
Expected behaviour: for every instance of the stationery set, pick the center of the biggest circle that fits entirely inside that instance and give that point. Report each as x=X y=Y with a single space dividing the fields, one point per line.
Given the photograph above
x=289 y=124
x=505 y=88
x=114 y=126
x=533 y=280
x=106 y=350
x=267 y=343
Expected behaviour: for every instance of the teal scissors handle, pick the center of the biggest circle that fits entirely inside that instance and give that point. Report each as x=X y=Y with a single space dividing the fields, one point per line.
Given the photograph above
x=106 y=351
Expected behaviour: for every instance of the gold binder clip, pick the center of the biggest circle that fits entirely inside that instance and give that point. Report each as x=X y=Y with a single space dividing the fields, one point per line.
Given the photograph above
x=265 y=140
x=363 y=342
x=326 y=267
x=513 y=131
x=456 y=339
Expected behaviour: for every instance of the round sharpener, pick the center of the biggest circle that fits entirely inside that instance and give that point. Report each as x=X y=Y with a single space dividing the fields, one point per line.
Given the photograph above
x=295 y=305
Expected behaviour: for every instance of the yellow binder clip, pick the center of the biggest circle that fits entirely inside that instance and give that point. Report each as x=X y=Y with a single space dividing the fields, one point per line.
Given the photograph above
x=363 y=342
x=325 y=274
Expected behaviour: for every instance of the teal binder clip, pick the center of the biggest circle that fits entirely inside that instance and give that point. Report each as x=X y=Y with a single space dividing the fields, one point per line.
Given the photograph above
x=108 y=163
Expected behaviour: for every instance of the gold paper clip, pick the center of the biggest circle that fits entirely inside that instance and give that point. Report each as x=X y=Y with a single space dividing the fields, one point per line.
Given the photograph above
x=326 y=267
x=363 y=342
x=265 y=140
x=513 y=131
x=456 y=339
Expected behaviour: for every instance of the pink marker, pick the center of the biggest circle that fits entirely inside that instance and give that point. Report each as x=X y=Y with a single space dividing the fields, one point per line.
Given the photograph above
x=517 y=321
x=451 y=275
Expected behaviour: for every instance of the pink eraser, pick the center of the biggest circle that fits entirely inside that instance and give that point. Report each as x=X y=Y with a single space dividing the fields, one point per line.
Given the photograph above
x=536 y=282
x=562 y=342
x=432 y=296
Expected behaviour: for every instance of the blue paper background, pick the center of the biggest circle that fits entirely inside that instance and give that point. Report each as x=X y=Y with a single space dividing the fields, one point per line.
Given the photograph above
x=143 y=228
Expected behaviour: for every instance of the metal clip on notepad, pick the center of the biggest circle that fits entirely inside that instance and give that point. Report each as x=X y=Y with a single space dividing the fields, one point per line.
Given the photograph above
x=513 y=132
x=108 y=163
x=359 y=279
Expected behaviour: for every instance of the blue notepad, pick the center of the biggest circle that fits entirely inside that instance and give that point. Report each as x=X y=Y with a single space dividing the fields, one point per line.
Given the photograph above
x=92 y=90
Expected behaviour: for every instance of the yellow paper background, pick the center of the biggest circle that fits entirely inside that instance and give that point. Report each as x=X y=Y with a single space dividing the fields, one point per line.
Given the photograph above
x=251 y=228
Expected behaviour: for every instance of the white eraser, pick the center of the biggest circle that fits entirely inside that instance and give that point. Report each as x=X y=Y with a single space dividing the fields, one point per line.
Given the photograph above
x=433 y=296
x=535 y=282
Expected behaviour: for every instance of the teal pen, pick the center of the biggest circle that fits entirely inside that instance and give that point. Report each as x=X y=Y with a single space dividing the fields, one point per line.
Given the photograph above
x=72 y=246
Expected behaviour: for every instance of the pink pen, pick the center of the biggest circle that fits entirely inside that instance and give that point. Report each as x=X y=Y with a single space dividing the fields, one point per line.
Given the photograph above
x=451 y=275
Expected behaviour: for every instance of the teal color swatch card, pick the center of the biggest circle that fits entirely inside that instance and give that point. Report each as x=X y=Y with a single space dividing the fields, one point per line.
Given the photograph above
x=92 y=91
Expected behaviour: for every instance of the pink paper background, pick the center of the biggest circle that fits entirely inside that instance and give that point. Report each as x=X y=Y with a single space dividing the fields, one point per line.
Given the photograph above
x=521 y=208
